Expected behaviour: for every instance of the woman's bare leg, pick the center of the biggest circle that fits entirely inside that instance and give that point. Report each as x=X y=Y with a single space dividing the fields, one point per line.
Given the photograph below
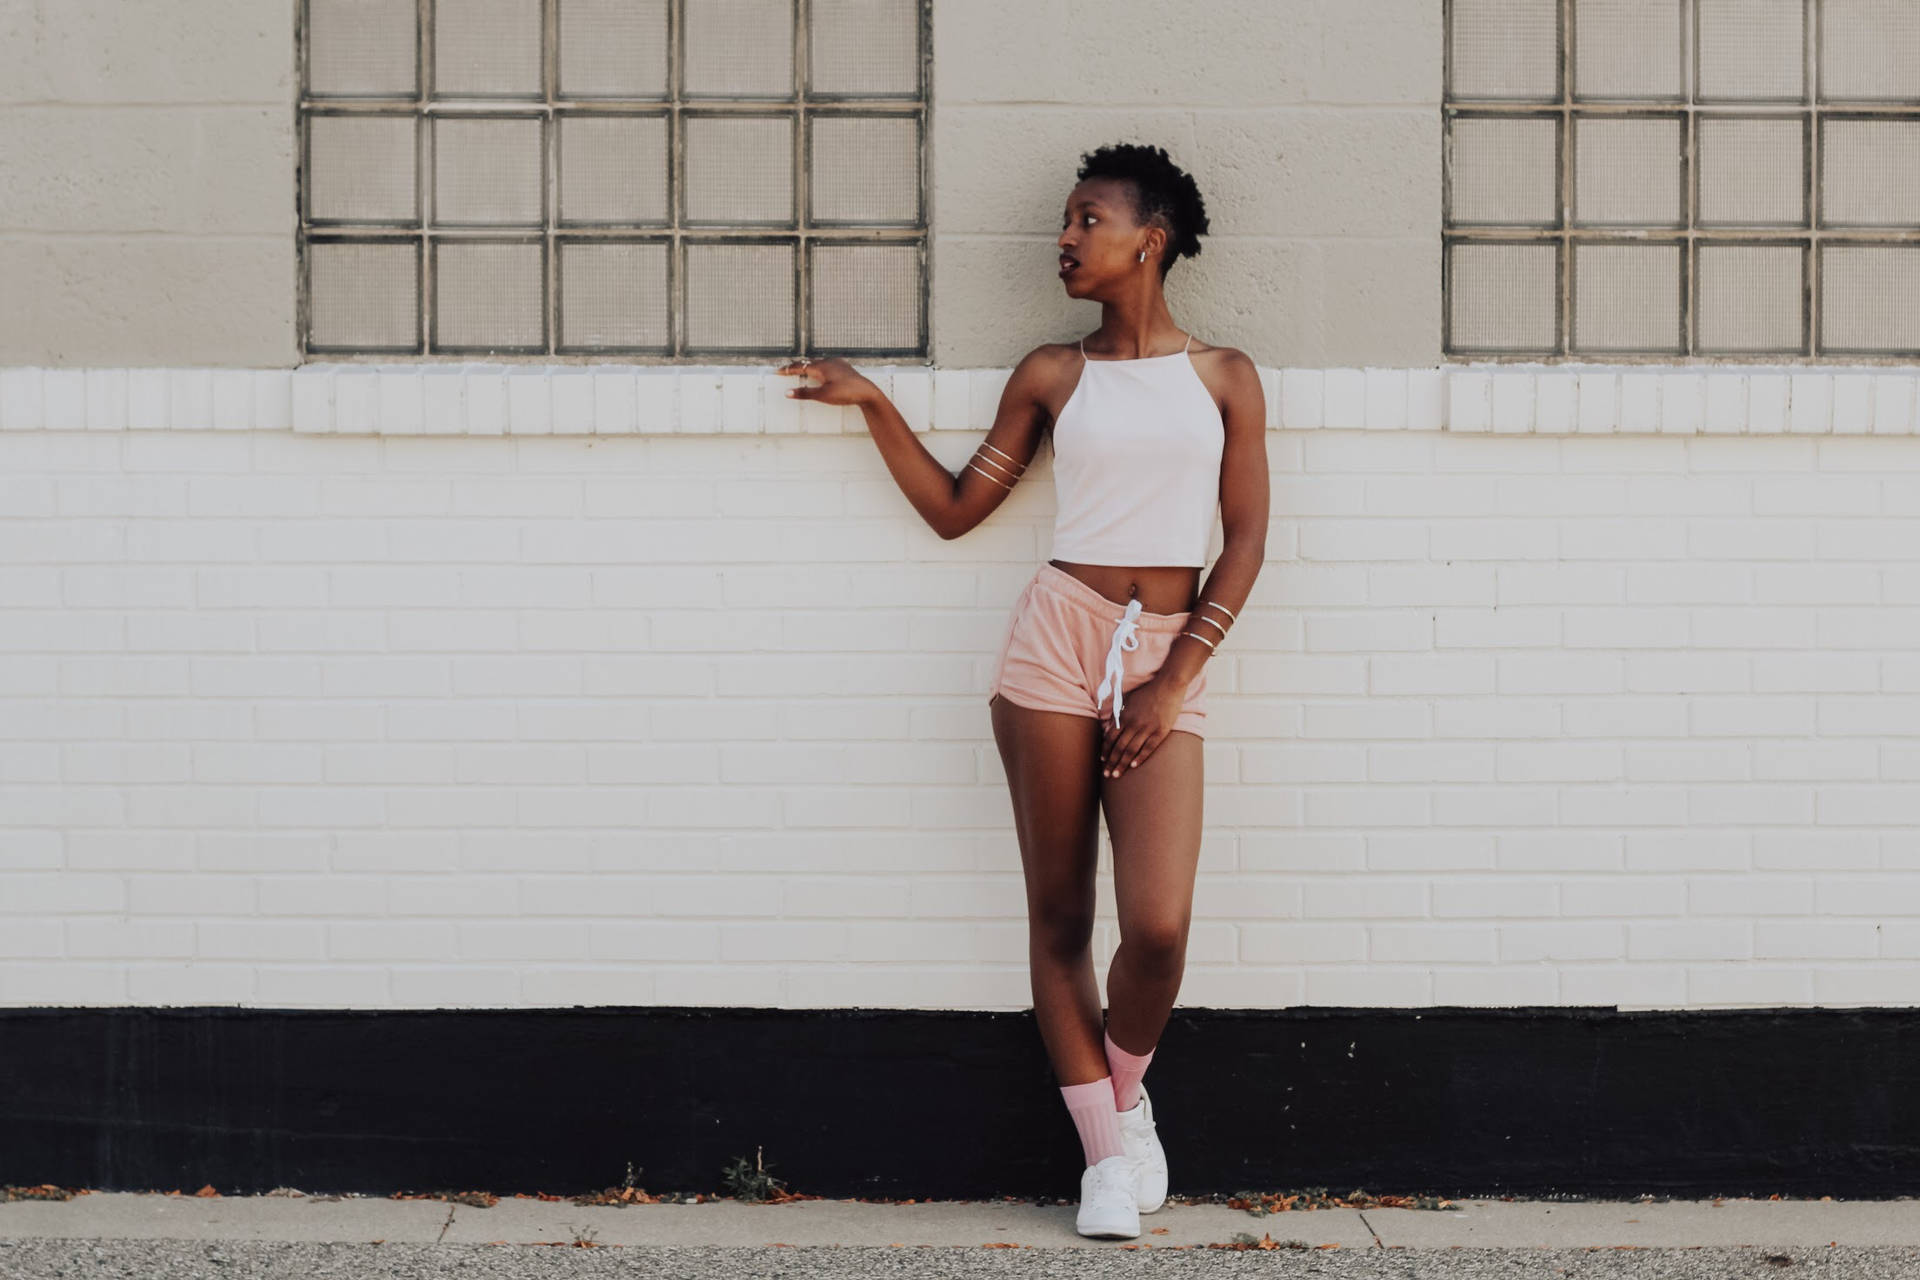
x=1154 y=818
x=1050 y=762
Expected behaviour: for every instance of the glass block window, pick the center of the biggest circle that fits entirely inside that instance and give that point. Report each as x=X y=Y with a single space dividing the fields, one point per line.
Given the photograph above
x=659 y=180
x=1661 y=179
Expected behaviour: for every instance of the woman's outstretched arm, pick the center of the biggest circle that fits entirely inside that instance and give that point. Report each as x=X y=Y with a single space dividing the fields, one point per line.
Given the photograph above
x=951 y=505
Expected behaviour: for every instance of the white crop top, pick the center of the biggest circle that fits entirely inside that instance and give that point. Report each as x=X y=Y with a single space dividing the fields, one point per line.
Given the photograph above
x=1136 y=463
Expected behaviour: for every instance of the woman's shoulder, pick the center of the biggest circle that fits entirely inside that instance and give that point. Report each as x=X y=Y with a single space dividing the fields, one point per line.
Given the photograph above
x=1224 y=368
x=1052 y=353
x=1043 y=366
x=1219 y=355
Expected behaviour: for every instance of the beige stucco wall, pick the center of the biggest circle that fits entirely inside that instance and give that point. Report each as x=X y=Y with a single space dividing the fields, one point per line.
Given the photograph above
x=146 y=182
x=147 y=211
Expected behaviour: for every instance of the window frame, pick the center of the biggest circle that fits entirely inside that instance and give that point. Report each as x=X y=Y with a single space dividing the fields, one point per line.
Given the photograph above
x=801 y=108
x=1813 y=236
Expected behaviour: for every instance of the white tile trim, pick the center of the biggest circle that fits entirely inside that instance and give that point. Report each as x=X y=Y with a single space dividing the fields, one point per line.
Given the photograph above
x=611 y=399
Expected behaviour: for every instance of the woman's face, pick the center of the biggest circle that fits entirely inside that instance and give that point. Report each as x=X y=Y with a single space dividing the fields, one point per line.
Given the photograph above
x=1099 y=240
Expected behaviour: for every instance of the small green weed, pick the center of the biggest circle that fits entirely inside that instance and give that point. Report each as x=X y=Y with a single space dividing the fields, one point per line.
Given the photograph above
x=752 y=1182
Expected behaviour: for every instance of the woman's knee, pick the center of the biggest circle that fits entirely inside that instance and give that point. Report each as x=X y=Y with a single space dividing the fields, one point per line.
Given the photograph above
x=1155 y=948
x=1063 y=936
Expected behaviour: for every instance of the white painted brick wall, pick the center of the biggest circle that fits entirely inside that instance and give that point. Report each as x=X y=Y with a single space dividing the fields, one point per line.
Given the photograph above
x=362 y=687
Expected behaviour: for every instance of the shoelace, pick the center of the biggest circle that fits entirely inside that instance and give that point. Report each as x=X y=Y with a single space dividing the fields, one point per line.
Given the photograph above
x=1119 y=1176
x=1125 y=636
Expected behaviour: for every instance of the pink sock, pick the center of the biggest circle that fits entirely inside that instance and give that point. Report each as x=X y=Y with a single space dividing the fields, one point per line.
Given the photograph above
x=1091 y=1105
x=1126 y=1069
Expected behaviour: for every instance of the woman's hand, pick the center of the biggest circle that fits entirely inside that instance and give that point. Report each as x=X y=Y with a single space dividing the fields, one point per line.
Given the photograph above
x=1147 y=714
x=830 y=380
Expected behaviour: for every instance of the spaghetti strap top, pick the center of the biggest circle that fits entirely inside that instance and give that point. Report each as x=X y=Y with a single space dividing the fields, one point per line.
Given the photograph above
x=1136 y=467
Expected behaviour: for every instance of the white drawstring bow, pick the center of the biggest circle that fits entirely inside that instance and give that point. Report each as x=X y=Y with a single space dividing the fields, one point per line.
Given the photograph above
x=1125 y=636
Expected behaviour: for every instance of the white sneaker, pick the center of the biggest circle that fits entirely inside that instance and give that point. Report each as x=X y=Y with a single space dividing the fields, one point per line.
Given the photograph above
x=1107 y=1199
x=1143 y=1144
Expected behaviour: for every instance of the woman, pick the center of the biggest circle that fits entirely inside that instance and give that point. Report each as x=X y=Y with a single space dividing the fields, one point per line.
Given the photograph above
x=1150 y=434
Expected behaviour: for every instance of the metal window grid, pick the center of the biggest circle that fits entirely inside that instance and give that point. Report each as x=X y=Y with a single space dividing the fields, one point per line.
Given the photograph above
x=1811 y=236
x=802 y=233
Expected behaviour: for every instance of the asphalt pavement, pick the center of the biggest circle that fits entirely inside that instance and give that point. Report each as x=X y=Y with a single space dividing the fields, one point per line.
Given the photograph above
x=288 y=1233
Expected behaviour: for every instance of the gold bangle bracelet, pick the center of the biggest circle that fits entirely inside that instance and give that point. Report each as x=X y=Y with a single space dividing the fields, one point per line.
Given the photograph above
x=1222 y=608
x=1202 y=639
x=989 y=475
x=1212 y=623
x=1003 y=453
x=992 y=463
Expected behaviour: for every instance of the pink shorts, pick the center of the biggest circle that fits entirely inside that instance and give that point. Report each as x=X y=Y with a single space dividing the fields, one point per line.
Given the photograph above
x=1069 y=648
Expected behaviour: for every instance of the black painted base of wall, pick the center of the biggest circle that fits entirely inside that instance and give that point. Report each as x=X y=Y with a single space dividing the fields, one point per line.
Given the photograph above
x=892 y=1103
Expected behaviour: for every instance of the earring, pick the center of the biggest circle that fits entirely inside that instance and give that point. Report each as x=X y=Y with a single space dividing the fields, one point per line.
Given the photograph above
x=1143 y=255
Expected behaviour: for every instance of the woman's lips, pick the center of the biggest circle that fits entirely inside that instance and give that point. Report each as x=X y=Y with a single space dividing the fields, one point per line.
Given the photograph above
x=1067 y=265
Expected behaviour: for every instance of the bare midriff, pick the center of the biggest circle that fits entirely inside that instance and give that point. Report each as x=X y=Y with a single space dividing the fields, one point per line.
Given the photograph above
x=1167 y=588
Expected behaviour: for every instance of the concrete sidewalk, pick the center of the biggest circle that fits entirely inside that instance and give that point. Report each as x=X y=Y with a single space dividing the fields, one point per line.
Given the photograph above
x=290 y=1216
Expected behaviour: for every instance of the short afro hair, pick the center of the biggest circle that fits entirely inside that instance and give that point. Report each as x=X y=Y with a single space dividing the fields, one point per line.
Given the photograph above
x=1163 y=193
